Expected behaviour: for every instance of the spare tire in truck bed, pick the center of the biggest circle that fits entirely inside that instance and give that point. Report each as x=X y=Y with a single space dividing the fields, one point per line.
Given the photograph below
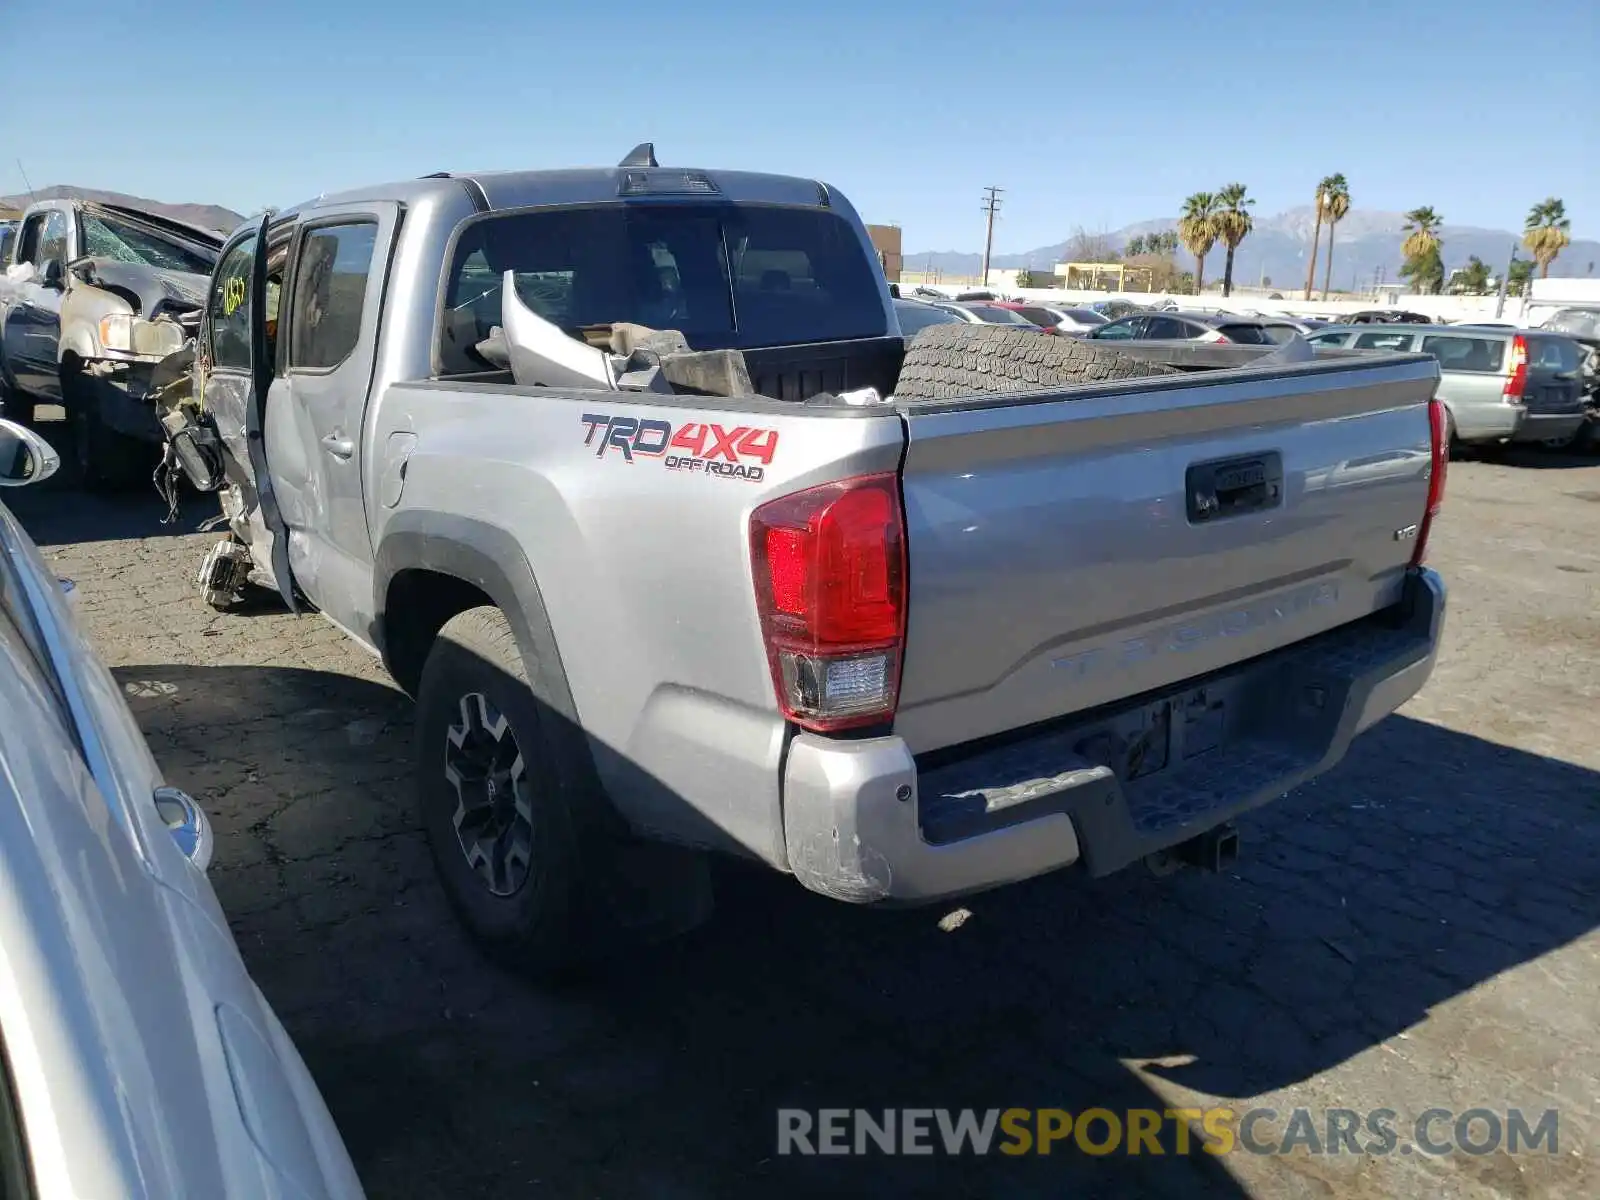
x=945 y=361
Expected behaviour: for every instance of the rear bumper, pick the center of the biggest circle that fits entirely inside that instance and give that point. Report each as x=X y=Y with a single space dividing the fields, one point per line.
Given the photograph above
x=1486 y=422
x=863 y=823
x=1539 y=427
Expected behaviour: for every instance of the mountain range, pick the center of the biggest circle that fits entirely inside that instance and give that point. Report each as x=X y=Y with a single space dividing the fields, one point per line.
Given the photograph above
x=1368 y=241
x=207 y=216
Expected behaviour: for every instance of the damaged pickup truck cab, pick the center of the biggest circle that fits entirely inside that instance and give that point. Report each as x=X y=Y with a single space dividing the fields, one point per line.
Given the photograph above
x=92 y=298
x=631 y=480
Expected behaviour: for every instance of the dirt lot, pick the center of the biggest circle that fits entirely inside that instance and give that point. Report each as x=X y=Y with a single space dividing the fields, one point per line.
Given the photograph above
x=1416 y=930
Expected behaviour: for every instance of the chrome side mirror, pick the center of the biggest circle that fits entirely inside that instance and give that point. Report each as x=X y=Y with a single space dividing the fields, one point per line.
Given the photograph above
x=25 y=457
x=188 y=824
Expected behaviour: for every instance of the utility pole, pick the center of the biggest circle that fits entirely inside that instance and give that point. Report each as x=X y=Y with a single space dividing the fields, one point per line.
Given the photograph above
x=1505 y=282
x=991 y=205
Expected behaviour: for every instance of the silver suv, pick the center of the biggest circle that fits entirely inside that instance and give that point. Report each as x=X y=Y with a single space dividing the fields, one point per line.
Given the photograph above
x=1520 y=385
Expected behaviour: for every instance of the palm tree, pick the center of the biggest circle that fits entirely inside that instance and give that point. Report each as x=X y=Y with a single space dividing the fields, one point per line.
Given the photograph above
x=1545 y=233
x=1233 y=224
x=1319 y=203
x=1135 y=246
x=1336 y=206
x=1199 y=233
x=1422 y=232
x=1421 y=247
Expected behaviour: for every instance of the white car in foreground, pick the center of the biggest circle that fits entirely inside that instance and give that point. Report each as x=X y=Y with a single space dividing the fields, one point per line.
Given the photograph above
x=139 y=1059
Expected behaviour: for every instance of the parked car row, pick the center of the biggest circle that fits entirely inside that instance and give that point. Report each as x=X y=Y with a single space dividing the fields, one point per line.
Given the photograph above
x=1498 y=382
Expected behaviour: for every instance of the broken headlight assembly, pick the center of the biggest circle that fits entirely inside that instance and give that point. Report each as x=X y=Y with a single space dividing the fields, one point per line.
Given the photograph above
x=124 y=333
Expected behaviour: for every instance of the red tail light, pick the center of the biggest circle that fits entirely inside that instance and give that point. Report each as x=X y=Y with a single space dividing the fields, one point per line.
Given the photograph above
x=1518 y=383
x=1222 y=341
x=1439 y=450
x=830 y=575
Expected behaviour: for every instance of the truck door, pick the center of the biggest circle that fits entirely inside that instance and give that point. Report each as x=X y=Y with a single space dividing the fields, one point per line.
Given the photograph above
x=333 y=293
x=236 y=363
x=33 y=318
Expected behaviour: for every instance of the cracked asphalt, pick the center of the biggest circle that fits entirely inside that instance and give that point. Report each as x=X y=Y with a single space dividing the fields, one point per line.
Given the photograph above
x=1416 y=930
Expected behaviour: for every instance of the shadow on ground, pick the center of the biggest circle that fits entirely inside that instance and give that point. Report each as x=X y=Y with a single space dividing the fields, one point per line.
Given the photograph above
x=1427 y=863
x=118 y=516
x=1527 y=456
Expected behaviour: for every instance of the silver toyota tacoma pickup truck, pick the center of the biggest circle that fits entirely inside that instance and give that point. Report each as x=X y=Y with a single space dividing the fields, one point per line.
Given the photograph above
x=905 y=619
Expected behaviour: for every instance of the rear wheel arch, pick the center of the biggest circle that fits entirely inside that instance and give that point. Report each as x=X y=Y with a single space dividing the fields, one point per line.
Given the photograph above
x=431 y=567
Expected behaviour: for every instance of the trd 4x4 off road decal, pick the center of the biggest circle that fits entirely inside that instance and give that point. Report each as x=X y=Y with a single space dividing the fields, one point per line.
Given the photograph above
x=731 y=452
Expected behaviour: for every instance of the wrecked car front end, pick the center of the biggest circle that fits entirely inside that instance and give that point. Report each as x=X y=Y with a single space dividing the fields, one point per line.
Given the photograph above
x=118 y=320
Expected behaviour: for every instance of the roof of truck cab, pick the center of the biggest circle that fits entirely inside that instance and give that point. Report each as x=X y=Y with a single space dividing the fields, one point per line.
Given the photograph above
x=588 y=185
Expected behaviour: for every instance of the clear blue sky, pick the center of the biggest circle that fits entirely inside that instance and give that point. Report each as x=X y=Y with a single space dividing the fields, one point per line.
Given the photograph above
x=1087 y=114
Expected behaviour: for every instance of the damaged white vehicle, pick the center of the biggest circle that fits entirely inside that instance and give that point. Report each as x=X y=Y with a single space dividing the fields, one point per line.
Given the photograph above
x=93 y=296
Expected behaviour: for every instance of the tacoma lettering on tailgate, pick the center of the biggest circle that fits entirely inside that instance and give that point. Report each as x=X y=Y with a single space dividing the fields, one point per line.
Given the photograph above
x=737 y=452
x=1190 y=635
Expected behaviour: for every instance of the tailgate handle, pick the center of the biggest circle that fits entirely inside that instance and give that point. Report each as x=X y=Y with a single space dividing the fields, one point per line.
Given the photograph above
x=1231 y=487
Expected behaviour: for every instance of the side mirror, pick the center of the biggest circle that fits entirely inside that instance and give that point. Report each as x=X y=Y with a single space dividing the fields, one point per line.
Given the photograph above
x=25 y=457
x=52 y=274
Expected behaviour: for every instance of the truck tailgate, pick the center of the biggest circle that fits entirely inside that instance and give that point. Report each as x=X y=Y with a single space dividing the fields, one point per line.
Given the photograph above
x=1067 y=552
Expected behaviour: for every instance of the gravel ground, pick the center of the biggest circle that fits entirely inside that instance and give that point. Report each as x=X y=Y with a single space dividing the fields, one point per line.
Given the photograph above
x=1415 y=930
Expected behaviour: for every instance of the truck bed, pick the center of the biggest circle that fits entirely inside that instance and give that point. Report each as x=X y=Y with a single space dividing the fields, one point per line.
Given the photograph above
x=1057 y=560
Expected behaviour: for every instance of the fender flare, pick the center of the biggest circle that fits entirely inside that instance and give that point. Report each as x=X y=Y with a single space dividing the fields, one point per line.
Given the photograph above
x=491 y=560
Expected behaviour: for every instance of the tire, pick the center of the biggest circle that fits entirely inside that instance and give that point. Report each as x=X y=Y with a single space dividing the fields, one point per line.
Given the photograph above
x=13 y=406
x=946 y=361
x=107 y=461
x=519 y=890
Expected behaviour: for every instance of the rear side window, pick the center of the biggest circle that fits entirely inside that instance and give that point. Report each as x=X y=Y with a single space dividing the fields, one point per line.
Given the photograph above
x=1042 y=317
x=1120 y=330
x=1245 y=335
x=999 y=316
x=1384 y=341
x=330 y=289
x=919 y=316
x=1329 y=339
x=726 y=276
x=1167 y=329
x=1457 y=353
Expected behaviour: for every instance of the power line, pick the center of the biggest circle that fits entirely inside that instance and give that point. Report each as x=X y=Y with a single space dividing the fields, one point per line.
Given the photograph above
x=991 y=205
